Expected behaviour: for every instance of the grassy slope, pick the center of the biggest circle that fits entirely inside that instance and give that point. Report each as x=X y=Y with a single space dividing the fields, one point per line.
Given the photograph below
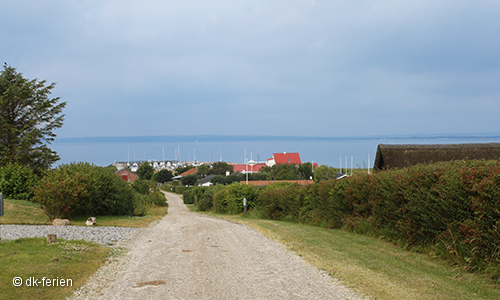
x=26 y=212
x=34 y=258
x=374 y=267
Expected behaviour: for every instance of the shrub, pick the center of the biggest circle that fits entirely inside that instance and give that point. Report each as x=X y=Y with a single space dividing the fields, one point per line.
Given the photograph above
x=16 y=181
x=230 y=199
x=60 y=194
x=104 y=193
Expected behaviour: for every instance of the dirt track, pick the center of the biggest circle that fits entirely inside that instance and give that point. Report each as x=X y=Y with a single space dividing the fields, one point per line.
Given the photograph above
x=192 y=256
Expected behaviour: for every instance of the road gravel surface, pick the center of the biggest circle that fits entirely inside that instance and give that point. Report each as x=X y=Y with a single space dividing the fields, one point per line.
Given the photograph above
x=193 y=256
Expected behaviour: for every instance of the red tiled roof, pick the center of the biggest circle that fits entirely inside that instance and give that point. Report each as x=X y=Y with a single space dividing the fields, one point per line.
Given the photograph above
x=287 y=158
x=268 y=182
x=190 y=172
x=243 y=167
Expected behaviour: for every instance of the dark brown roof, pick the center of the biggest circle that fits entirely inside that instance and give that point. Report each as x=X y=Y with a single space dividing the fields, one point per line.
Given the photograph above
x=402 y=156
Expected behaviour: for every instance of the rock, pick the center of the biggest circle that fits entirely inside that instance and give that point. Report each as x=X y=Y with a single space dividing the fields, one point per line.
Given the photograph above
x=60 y=222
x=90 y=221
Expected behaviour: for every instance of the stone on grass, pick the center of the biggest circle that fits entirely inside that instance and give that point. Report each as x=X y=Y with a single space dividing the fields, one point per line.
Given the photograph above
x=60 y=222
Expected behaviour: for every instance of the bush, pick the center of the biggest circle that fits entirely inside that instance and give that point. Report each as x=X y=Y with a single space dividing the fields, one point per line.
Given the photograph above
x=61 y=194
x=230 y=199
x=16 y=181
x=201 y=197
x=104 y=193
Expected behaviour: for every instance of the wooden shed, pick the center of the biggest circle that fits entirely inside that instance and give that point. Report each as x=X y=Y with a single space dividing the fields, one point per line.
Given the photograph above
x=402 y=156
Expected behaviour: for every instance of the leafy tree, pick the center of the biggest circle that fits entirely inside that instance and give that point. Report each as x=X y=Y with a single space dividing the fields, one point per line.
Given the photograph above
x=145 y=171
x=220 y=168
x=324 y=172
x=189 y=179
x=28 y=118
x=282 y=172
x=162 y=176
x=202 y=171
x=305 y=170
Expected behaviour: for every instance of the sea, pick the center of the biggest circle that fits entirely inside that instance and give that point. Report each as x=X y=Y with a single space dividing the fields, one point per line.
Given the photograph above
x=356 y=152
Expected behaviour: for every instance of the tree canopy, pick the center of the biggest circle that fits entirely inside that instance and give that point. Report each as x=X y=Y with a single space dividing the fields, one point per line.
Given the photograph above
x=145 y=171
x=28 y=118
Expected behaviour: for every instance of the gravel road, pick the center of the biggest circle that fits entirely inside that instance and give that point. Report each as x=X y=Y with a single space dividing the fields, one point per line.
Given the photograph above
x=192 y=256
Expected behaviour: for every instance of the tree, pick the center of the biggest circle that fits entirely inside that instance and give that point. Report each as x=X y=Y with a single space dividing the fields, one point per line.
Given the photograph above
x=220 y=168
x=145 y=171
x=189 y=180
x=202 y=171
x=162 y=176
x=305 y=170
x=28 y=118
x=324 y=172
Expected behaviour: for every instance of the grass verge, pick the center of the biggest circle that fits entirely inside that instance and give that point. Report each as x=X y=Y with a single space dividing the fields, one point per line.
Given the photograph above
x=26 y=212
x=376 y=268
x=33 y=259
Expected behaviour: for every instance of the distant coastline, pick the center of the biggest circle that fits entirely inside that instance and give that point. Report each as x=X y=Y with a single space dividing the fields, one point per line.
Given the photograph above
x=222 y=138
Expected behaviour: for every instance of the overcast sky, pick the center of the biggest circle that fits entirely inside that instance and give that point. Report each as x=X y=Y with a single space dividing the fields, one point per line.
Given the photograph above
x=275 y=67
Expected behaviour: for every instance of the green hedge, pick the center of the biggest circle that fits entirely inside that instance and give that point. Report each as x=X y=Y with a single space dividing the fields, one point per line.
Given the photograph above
x=454 y=206
x=230 y=199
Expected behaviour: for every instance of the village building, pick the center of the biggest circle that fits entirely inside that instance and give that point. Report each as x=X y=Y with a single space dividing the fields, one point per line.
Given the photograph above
x=403 y=156
x=242 y=168
x=284 y=158
x=127 y=175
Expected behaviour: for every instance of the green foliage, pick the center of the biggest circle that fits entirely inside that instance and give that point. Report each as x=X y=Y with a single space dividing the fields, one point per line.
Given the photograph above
x=174 y=188
x=61 y=193
x=145 y=171
x=202 y=171
x=162 y=176
x=452 y=206
x=220 y=168
x=189 y=180
x=147 y=195
x=103 y=192
x=237 y=177
x=282 y=172
x=230 y=199
x=201 y=197
x=16 y=181
x=324 y=172
x=28 y=118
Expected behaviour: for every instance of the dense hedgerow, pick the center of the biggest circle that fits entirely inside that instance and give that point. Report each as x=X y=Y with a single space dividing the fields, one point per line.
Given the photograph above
x=454 y=206
x=147 y=194
x=230 y=199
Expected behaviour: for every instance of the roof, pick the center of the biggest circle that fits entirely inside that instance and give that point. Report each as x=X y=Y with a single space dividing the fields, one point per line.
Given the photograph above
x=128 y=171
x=243 y=168
x=206 y=179
x=190 y=172
x=402 y=156
x=287 y=158
x=268 y=182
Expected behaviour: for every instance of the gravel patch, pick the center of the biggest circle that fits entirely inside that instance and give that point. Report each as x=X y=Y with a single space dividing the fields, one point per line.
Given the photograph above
x=104 y=235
